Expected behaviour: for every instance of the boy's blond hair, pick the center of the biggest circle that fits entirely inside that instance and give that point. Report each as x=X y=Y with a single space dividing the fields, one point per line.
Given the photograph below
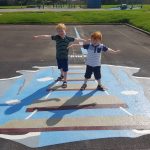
x=61 y=26
x=96 y=35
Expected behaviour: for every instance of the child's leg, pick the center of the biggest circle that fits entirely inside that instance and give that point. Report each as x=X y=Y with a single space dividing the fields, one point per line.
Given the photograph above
x=59 y=64
x=99 y=82
x=97 y=74
x=61 y=72
x=87 y=76
x=65 y=76
x=65 y=71
x=85 y=81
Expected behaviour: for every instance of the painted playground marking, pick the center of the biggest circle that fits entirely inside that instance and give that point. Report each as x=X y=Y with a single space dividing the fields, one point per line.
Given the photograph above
x=28 y=117
x=123 y=109
x=34 y=88
x=19 y=137
x=38 y=81
x=6 y=79
x=45 y=79
x=13 y=102
x=127 y=92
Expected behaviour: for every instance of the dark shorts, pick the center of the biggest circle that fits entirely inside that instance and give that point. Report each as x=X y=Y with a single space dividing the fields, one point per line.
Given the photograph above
x=90 y=70
x=62 y=64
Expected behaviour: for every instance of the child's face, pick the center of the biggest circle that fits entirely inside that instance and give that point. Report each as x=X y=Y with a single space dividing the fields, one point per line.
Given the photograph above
x=95 y=41
x=61 y=32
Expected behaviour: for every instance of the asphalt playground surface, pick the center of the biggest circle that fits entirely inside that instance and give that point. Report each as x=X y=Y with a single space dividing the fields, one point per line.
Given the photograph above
x=130 y=70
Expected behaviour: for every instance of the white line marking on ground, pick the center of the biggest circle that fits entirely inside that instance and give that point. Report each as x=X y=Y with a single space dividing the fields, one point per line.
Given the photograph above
x=77 y=33
x=18 y=137
x=142 y=132
x=34 y=112
x=120 y=66
x=22 y=71
x=13 y=102
x=44 y=67
x=11 y=78
x=126 y=111
x=46 y=97
x=81 y=43
x=45 y=79
x=147 y=78
x=129 y=92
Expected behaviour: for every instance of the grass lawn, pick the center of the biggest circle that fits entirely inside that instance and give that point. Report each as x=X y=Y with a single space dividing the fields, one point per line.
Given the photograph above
x=139 y=18
x=11 y=7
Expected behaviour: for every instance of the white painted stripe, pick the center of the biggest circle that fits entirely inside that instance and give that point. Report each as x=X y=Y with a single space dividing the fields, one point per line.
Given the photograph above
x=44 y=67
x=45 y=79
x=13 y=102
x=126 y=111
x=142 y=132
x=31 y=71
x=129 y=92
x=121 y=66
x=28 y=117
x=11 y=78
x=46 y=97
x=147 y=78
x=19 y=137
x=77 y=33
x=84 y=52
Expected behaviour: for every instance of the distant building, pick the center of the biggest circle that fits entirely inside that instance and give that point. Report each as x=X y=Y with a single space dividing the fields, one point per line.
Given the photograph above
x=93 y=3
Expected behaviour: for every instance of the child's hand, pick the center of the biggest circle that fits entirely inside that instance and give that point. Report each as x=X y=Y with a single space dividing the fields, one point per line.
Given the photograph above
x=70 y=46
x=117 y=51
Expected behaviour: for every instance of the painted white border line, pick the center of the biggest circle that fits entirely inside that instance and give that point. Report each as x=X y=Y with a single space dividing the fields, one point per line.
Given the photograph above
x=126 y=111
x=34 y=112
x=121 y=66
x=30 y=71
x=77 y=33
x=47 y=95
x=120 y=107
x=146 y=78
x=20 y=137
x=142 y=132
x=43 y=67
x=11 y=78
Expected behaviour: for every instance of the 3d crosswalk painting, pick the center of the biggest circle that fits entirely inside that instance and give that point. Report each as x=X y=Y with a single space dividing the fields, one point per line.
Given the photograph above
x=36 y=111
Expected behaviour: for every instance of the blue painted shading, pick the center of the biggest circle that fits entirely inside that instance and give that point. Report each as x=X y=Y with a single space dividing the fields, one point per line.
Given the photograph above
x=29 y=100
x=12 y=92
x=59 y=137
x=138 y=104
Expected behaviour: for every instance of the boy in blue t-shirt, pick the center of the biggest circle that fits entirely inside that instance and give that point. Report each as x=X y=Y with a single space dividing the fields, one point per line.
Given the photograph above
x=93 y=60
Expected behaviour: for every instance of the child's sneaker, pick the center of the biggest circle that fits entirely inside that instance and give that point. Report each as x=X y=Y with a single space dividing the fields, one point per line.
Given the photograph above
x=59 y=78
x=100 y=88
x=64 y=85
x=83 y=87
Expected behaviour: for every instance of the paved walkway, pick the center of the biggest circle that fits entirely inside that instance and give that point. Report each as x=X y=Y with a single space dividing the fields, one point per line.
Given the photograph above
x=36 y=117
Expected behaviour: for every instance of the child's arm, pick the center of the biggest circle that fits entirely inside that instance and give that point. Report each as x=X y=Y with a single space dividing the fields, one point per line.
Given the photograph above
x=79 y=40
x=74 y=46
x=42 y=36
x=113 y=51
